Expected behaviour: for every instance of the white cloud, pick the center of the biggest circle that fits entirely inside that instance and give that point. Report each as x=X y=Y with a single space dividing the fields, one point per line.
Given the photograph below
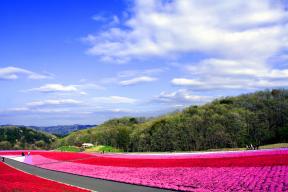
x=184 y=82
x=232 y=74
x=54 y=102
x=115 y=110
x=137 y=80
x=47 y=106
x=65 y=89
x=132 y=77
x=236 y=68
x=145 y=72
x=228 y=28
x=12 y=73
x=56 y=88
x=180 y=97
x=115 y=100
x=239 y=39
x=18 y=109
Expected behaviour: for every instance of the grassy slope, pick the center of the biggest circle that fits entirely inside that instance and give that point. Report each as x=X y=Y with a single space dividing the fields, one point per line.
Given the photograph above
x=69 y=149
x=101 y=148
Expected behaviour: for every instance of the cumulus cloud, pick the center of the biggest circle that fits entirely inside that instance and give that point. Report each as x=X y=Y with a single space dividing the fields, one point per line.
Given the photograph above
x=145 y=72
x=232 y=74
x=115 y=100
x=60 y=88
x=180 y=97
x=56 y=88
x=12 y=73
x=169 y=27
x=188 y=82
x=239 y=39
x=47 y=106
x=137 y=80
x=54 y=102
x=133 y=77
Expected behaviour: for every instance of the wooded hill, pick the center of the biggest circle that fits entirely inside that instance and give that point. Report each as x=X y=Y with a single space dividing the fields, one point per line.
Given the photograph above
x=21 y=137
x=258 y=118
x=62 y=130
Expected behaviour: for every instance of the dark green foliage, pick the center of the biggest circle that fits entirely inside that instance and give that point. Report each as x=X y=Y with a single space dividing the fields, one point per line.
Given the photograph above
x=20 y=137
x=258 y=118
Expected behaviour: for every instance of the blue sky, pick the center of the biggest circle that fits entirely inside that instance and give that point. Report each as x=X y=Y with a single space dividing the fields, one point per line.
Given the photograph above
x=85 y=61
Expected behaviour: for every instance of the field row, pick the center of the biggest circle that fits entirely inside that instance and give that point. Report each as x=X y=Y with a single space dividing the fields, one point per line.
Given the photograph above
x=239 y=159
x=238 y=171
x=13 y=180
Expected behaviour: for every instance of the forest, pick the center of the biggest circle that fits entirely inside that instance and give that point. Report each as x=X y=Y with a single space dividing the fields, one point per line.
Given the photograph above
x=257 y=118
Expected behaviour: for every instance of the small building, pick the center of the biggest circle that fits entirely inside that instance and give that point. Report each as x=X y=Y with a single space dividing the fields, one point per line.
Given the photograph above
x=86 y=145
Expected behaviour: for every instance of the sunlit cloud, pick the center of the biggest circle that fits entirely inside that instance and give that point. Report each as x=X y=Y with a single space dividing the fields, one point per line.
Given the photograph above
x=115 y=100
x=61 y=88
x=137 y=80
x=12 y=73
x=238 y=52
x=55 y=88
x=181 y=97
x=54 y=102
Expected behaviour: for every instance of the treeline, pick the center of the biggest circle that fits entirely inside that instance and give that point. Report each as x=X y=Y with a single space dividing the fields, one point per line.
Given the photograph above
x=258 y=118
x=20 y=137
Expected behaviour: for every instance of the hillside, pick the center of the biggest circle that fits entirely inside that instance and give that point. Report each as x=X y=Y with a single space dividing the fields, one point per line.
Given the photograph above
x=20 y=137
x=257 y=118
x=62 y=130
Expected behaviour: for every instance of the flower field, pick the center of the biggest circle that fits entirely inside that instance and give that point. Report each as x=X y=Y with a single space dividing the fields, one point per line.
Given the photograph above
x=263 y=170
x=14 y=180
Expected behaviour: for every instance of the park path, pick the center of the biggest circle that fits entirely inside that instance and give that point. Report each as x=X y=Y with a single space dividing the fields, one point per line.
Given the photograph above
x=90 y=183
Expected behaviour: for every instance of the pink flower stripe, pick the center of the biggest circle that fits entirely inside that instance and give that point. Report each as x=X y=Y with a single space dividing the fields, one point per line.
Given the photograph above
x=12 y=180
x=264 y=158
x=266 y=178
x=194 y=155
x=243 y=159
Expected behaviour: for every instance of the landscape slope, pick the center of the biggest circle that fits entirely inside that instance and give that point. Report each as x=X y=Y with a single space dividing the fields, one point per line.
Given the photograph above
x=256 y=118
x=21 y=137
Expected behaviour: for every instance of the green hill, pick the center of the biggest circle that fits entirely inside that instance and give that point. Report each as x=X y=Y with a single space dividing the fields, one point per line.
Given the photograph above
x=20 y=137
x=257 y=118
x=62 y=130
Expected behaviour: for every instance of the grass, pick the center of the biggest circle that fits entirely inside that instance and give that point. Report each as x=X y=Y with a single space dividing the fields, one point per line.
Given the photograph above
x=101 y=148
x=272 y=146
x=69 y=148
x=227 y=149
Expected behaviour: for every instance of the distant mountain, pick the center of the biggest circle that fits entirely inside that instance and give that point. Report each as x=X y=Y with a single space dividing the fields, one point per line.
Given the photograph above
x=21 y=137
x=62 y=130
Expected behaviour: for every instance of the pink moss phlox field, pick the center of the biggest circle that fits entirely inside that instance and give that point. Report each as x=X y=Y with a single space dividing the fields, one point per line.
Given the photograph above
x=217 y=154
x=230 y=159
x=194 y=178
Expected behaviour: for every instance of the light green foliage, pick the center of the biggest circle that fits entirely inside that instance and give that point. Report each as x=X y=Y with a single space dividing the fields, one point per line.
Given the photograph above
x=69 y=149
x=103 y=148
